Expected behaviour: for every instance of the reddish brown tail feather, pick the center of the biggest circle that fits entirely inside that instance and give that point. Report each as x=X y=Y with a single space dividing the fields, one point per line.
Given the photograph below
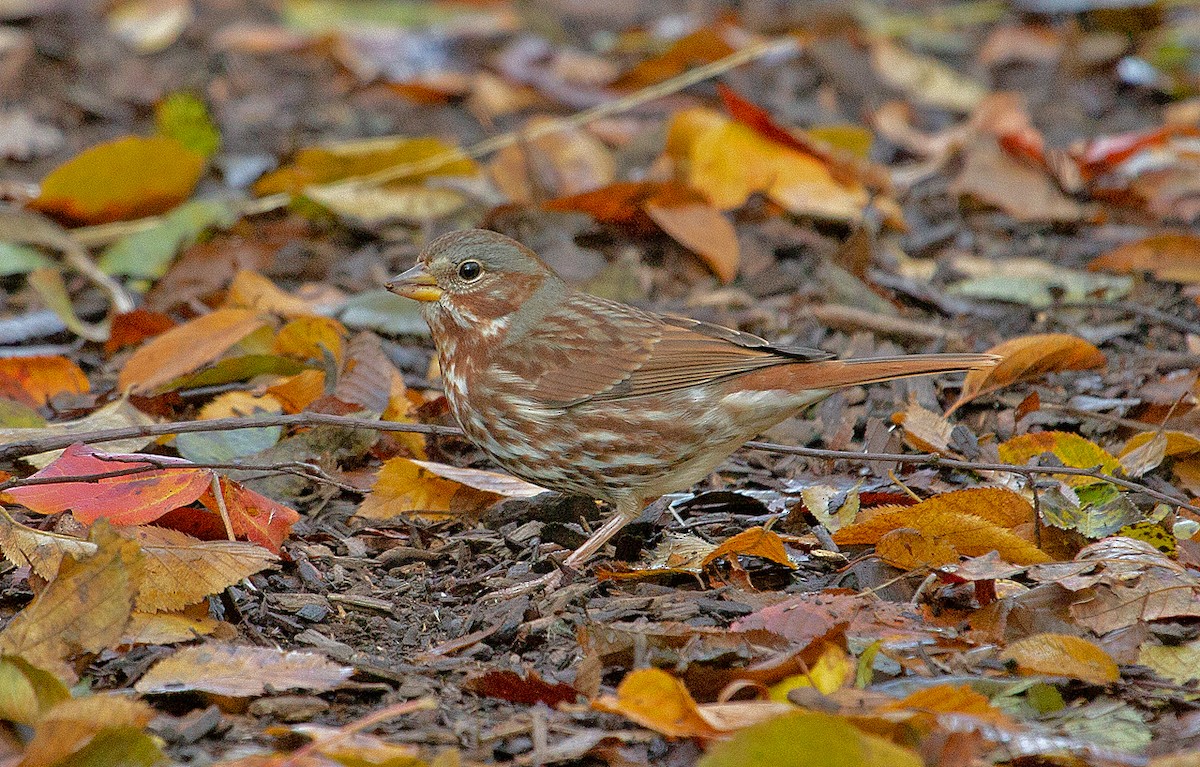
x=835 y=374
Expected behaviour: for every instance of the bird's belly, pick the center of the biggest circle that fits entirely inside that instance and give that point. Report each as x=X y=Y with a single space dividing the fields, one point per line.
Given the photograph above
x=641 y=448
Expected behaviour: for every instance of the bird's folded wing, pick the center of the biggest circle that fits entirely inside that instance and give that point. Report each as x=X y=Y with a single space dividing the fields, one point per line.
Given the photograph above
x=629 y=353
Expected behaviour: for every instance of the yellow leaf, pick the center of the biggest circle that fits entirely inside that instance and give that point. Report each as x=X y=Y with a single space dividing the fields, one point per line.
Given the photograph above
x=656 y=700
x=728 y=161
x=807 y=739
x=1072 y=449
x=1063 y=655
x=910 y=549
x=405 y=486
x=374 y=206
x=186 y=348
x=125 y=178
x=313 y=338
x=323 y=165
x=1027 y=358
x=833 y=669
x=238 y=404
x=1178 y=663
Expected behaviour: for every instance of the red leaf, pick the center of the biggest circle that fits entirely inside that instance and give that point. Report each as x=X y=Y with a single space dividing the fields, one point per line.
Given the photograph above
x=254 y=515
x=528 y=690
x=134 y=499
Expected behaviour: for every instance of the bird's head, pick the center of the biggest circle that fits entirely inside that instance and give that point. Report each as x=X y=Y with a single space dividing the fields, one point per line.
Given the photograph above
x=477 y=279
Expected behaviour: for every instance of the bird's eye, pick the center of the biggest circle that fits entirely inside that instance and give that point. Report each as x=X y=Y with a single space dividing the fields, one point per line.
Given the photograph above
x=470 y=271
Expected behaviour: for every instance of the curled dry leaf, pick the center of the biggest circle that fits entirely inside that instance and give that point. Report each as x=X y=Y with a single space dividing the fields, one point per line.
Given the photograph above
x=755 y=542
x=1063 y=655
x=186 y=348
x=1026 y=358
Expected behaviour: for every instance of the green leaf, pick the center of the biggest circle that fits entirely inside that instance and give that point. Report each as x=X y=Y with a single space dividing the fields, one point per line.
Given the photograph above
x=27 y=691
x=226 y=446
x=185 y=118
x=148 y=253
x=21 y=259
x=118 y=747
x=381 y=311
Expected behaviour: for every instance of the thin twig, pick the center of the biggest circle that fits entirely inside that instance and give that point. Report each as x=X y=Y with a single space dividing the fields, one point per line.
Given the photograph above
x=1128 y=307
x=35 y=445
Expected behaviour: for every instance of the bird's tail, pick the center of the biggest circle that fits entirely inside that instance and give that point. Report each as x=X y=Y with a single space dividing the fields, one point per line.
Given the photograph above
x=836 y=374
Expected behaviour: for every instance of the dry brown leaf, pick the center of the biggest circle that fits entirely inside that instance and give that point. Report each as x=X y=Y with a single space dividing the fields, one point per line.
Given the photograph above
x=558 y=164
x=39 y=550
x=925 y=430
x=116 y=414
x=703 y=230
x=181 y=570
x=167 y=628
x=84 y=609
x=186 y=348
x=1063 y=655
x=1023 y=191
x=241 y=672
x=1170 y=257
x=1026 y=358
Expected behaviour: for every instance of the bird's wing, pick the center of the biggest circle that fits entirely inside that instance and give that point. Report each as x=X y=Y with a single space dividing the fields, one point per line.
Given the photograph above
x=592 y=350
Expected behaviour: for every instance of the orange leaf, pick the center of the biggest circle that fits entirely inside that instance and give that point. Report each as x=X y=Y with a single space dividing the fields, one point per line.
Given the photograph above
x=1029 y=357
x=34 y=380
x=131 y=328
x=125 y=178
x=755 y=542
x=257 y=517
x=134 y=499
x=1170 y=257
x=703 y=46
x=656 y=700
x=910 y=549
x=702 y=229
x=1063 y=655
x=299 y=391
x=974 y=522
x=1179 y=443
x=404 y=486
x=951 y=699
x=186 y=348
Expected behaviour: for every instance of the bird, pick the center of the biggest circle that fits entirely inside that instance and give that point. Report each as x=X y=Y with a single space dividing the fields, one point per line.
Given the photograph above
x=581 y=394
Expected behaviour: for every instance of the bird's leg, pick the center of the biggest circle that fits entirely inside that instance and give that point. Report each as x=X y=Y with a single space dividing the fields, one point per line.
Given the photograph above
x=627 y=511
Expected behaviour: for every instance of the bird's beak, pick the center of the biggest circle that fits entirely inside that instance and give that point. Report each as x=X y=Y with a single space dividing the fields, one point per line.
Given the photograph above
x=416 y=284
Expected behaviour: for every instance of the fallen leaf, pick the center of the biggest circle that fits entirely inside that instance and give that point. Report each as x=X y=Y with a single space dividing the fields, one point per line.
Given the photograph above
x=405 y=486
x=28 y=691
x=147 y=253
x=186 y=348
x=755 y=542
x=703 y=230
x=149 y=26
x=1027 y=193
x=910 y=549
x=1178 y=663
x=656 y=700
x=250 y=290
x=323 y=165
x=391 y=203
x=114 y=415
x=34 y=380
x=253 y=515
x=563 y=162
x=526 y=690
x=91 y=730
x=241 y=672
x=703 y=46
x=125 y=178
x=1073 y=450
x=1026 y=358
x=1170 y=257
x=1062 y=655
x=807 y=739
x=84 y=609
x=185 y=117
x=133 y=499
x=924 y=79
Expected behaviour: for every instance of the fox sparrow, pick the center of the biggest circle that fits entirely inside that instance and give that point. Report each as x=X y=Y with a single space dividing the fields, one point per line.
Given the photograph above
x=584 y=395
